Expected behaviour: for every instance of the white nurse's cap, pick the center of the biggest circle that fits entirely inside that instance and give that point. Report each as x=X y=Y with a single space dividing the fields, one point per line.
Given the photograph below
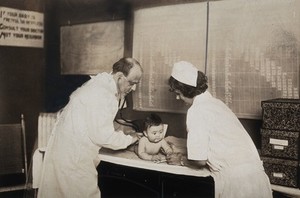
x=185 y=73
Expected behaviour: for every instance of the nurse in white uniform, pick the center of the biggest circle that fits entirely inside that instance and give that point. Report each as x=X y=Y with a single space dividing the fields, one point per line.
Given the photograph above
x=217 y=139
x=84 y=126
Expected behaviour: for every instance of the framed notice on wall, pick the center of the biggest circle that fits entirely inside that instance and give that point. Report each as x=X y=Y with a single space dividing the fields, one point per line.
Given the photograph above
x=21 y=28
x=91 y=48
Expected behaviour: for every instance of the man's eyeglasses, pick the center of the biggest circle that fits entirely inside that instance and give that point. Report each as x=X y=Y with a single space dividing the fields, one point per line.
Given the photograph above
x=131 y=83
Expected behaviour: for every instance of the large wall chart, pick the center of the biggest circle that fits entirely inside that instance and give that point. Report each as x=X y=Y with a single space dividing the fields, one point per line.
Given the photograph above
x=254 y=56
x=253 y=51
x=161 y=37
x=91 y=48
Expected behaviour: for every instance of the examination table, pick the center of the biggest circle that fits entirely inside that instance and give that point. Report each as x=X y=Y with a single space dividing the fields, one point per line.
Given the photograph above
x=123 y=174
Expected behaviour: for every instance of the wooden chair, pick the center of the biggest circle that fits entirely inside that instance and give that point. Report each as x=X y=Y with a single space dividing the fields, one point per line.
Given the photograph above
x=13 y=159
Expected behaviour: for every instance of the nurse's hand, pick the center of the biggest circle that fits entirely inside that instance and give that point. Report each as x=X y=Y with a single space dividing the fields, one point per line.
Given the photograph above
x=174 y=159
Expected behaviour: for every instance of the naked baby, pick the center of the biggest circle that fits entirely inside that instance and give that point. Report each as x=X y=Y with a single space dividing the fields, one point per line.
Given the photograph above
x=152 y=146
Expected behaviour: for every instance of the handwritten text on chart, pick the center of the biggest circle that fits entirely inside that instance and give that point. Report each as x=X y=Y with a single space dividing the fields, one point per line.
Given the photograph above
x=21 y=28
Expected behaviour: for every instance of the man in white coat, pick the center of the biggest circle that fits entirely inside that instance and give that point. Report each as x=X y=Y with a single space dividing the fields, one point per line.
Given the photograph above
x=84 y=126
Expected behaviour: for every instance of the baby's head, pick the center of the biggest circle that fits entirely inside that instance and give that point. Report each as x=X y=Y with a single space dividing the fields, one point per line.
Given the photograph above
x=154 y=128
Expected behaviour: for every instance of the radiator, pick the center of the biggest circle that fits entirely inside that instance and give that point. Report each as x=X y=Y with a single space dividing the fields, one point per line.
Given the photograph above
x=46 y=123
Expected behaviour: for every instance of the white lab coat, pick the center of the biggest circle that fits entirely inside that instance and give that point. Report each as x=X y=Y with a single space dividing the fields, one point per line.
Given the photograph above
x=84 y=126
x=216 y=135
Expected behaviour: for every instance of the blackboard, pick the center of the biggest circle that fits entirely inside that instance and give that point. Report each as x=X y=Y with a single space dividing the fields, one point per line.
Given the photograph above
x=253 y=51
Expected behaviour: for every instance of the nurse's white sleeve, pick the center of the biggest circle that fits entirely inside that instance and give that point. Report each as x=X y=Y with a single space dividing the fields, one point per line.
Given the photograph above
x=197 y=137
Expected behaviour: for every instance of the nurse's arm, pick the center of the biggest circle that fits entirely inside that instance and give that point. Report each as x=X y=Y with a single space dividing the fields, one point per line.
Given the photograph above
x=181 y=160
x=195 y=164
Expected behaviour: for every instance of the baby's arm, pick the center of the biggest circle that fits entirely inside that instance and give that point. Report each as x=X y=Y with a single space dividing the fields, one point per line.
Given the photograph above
x=166 y=147
x=142 y=151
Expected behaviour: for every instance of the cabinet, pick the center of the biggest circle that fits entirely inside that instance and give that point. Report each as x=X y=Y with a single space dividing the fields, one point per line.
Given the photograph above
x=280 y=143
x=186 y=186
x=129 y=182
x=122 y=181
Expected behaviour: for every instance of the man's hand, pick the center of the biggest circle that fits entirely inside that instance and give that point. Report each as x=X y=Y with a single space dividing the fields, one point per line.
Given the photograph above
x=135 y=137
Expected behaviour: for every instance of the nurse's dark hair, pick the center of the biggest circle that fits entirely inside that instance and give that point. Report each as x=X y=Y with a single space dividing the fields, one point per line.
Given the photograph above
x=187 y=90
x=152 y=120
x=124 y=65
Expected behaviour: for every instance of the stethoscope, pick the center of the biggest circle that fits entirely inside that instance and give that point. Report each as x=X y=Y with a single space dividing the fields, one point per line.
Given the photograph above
x=126 y=122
